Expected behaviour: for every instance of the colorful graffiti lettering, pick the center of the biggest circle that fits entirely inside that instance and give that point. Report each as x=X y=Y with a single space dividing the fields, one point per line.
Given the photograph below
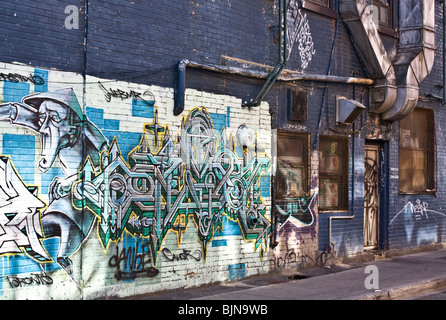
x=164 y=184
x=65 y=135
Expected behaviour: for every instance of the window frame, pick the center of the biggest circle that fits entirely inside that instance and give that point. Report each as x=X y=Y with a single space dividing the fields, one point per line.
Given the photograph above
x=327 y=10
x=305 y=138
x=342 y=176
x=391 y=28
x=430 y=154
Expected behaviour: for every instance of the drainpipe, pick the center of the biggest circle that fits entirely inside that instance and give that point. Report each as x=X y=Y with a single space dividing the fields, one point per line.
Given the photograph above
x=416 y=53
x=270 y=79
x=181 y=88
x=84 y=154
x=443 y=52
x=397 y=82
x=281 y=60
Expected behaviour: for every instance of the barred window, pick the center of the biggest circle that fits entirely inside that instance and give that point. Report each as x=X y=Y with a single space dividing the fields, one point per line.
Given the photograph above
x=333 y=173
x=417 y=152
x=292 y=165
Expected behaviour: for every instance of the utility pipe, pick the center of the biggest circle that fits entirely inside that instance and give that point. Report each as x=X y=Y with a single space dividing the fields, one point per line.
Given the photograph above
x=444 y=55
x=281 y=60
x=286 y=76
x=271 y=78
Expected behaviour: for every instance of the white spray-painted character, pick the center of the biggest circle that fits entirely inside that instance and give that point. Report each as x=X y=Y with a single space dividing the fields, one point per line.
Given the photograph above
x=68 y=136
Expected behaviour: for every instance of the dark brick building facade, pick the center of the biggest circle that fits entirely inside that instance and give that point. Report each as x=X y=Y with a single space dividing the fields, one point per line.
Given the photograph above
x=179 y=143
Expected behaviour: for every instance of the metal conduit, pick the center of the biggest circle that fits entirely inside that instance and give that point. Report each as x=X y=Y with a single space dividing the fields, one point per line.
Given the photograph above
x=285 y=76
x=277 y=73
x=281 y=59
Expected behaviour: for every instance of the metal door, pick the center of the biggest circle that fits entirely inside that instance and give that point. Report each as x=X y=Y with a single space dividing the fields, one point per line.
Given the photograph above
x=371 y=197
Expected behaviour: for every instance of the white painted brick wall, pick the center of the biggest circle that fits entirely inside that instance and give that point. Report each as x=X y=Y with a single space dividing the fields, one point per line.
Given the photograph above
x=92 y=261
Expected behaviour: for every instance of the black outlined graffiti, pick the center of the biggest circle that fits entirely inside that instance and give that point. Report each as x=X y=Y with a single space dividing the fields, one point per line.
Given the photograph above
x=65 y=134
x=16 y=77
x=34 y=279
x=184 y=255
x=200 y=178
x=296 y=211
x=19 y=215
x=121 y=94
x=131 y=262
x=166 y=183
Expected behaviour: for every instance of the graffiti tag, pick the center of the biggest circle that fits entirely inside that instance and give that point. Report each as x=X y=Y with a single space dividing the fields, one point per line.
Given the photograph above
x=131 y=263
x=15 y=77
x=121 y=94
x=33 y=279
x=185 y=255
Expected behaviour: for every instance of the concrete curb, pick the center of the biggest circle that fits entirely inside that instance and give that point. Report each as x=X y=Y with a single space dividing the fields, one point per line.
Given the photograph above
x=409 y=291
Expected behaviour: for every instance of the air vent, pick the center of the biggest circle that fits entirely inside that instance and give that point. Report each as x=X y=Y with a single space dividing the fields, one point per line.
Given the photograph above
x=347 y=111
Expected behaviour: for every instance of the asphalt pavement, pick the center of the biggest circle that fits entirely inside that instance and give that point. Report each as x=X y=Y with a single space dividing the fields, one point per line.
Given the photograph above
x=395 y=278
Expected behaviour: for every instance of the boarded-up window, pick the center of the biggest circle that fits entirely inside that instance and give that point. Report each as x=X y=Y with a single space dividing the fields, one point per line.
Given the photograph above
x=333 y=173
x=292 y=165
x=417 y=152
x=297 y=105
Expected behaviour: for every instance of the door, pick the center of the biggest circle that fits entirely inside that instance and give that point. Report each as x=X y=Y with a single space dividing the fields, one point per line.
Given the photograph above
x=371 y=197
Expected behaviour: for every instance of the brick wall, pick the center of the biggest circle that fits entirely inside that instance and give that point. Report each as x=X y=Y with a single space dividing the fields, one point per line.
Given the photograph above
x=154 y=201
x=128 y=249
x=157 y=201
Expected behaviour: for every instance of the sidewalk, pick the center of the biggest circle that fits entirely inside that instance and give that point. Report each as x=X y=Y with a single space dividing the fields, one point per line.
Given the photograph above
x=399 y=277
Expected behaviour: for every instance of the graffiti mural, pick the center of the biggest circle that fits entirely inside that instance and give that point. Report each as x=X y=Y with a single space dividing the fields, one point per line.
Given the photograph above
x=64 y=135
x=19 y=216
x=167 y=182
x=200 y=176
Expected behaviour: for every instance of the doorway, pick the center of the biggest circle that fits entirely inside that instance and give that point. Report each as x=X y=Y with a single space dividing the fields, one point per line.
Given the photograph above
x=371 y=197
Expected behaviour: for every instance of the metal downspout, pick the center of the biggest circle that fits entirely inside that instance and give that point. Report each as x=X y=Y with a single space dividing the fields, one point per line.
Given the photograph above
x=273 y=76
x=181 y=88
x=84 y=155
x=443 y=52
x=281 y=60
x=415 y=58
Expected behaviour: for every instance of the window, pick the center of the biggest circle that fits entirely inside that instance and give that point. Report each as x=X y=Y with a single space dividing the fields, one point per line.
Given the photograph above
x=383 y=12
x=384 y=16
x=333 y=173
x=325 y=7
x=417 y=152
x=292 y=165
x=322 y=2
